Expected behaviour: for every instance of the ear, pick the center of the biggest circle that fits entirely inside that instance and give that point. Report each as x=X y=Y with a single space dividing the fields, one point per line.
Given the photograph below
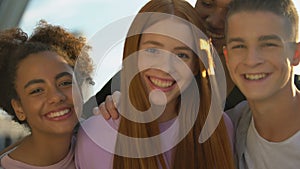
x=225 y=52
x=296 y=57
x=17 y=106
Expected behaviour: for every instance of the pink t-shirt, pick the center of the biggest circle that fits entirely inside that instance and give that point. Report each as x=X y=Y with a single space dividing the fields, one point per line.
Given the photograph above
x=66 y=163
x=96 y=139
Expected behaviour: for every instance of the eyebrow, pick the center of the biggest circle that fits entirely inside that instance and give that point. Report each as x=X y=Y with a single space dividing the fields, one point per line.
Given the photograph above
x=36 y=81
x=153 y=43
x=62 y=74
x=269 y=37
x=161 y=45
x=235 y=40
x=183 y=48
x=261 y=38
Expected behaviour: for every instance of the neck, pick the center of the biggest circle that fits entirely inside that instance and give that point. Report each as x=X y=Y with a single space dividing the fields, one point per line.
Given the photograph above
x=277 y=118
x=43 y=150
x=169 y=113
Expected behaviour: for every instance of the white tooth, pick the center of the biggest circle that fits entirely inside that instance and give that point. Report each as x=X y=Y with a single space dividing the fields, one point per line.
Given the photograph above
x=57 y=114
x=255 y=77
x=161 y=83
x=214 y=35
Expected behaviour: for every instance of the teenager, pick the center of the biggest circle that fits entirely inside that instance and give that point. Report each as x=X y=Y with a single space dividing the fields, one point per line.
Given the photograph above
x=167 y=62
x=39 y=94
x=261 y=50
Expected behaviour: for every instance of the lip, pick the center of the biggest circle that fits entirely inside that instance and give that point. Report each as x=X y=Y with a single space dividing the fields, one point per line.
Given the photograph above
x=59 y=114
x=164 y=89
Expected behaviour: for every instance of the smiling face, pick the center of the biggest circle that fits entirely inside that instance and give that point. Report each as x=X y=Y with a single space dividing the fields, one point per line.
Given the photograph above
x=260 y=54
x=44 y=86
x=213 y=13
x=167 y=64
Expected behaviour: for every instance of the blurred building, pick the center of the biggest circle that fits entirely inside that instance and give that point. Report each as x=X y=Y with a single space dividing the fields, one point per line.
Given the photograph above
x=11 y=12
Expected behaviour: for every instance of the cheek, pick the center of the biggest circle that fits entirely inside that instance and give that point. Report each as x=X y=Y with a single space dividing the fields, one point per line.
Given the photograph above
x=186 y=72
x=202 y=11
x=32 y=107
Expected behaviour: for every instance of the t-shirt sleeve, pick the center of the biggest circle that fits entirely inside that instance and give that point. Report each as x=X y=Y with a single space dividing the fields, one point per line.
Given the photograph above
x=89 y=150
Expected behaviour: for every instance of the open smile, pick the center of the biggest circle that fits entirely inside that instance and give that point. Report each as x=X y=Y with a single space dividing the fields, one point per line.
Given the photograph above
x=59 y=115
x=215 y=35
x=255 y=76
x=162 y=84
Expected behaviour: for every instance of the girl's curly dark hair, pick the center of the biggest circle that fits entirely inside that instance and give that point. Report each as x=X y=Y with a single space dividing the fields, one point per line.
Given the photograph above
x=16 y=46
x=10 y=40
x=75 y=47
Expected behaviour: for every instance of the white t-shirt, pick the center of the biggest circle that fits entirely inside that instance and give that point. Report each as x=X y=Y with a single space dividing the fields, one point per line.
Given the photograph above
x=262 y=154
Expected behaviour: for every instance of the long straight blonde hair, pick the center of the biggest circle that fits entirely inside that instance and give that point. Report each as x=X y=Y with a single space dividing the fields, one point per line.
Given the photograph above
x=216 y=152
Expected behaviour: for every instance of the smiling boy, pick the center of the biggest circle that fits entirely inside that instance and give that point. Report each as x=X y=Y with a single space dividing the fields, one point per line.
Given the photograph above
x=260 y=52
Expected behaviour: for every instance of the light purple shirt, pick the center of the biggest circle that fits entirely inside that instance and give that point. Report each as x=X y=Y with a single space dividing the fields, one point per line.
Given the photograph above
x=89 y=154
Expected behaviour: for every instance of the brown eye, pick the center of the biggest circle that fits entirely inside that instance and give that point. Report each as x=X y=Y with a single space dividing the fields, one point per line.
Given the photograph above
x=238 y=47
x=36 y=91
x=207 y=4
x=66 y=83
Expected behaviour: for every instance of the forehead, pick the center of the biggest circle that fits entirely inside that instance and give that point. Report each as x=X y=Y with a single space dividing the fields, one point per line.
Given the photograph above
x=40 y=63
x=174 y=29
x=217 y=3
x=42 y=57
x=254 y=24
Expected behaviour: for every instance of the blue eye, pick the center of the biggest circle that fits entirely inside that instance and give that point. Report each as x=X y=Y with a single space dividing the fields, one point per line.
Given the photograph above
x=152 y=50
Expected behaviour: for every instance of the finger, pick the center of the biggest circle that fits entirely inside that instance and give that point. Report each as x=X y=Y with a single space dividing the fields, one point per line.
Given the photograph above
x=96 y=111
x=110 y=107
x=104 y=112
x=116 y=96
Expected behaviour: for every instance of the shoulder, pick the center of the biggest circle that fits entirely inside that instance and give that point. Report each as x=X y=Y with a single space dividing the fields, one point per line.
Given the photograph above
x=230 y=128
x=95 y=143
x=9 y=149
x=96 y=123
x=237 y=112
x=98 y=130
x=228 y=122
x=6 y=153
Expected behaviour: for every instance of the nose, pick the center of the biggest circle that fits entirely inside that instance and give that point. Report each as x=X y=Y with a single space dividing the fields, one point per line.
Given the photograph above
x=253 y=57
x=216 y=20
x=55 y=95
x=167 y=62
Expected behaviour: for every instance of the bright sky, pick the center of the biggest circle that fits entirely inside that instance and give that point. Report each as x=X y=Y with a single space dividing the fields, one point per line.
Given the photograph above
x=88 y=17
